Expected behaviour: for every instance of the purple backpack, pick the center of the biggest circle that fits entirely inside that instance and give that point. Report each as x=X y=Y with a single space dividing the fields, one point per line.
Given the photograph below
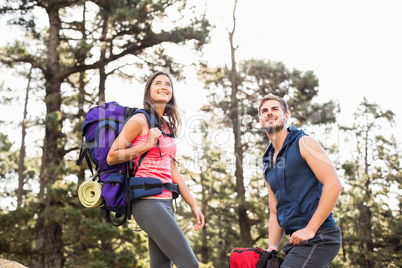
x=102 y=125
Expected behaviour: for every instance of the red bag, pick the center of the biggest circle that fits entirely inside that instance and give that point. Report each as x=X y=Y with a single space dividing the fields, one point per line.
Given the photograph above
x=248 y=258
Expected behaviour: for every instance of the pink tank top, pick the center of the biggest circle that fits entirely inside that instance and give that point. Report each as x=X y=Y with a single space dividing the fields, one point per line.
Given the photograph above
x=153 y=165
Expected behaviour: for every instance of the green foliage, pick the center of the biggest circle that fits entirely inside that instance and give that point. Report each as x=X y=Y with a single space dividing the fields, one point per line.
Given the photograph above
x=5 y=155
x=5 y=144
x=260 y=77
x=8 y=158
x=18 y=234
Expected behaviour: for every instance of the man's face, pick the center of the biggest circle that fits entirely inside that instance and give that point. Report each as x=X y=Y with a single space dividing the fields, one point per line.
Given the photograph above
x=272 y=117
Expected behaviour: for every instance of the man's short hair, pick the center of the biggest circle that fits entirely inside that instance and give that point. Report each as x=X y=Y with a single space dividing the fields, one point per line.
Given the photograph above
x=271 y=96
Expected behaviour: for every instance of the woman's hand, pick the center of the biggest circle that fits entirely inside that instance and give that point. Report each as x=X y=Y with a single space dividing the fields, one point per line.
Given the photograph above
x=199 y=218
x=185 y=193
x=153 y=136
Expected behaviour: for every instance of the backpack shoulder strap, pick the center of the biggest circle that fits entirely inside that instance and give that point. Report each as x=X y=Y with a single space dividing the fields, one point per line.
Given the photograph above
x=84 y=154
x=151 y=123
x=139 y=162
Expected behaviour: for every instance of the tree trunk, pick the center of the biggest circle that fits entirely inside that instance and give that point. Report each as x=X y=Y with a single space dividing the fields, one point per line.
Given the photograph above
x=53 y=247
x=204 y=209
x=365 y=210
x=102 y=82
x=102 y=72
x=81 y=94
x=244 y=223
x=21 y=166
x=223 y=251
x=52 y=151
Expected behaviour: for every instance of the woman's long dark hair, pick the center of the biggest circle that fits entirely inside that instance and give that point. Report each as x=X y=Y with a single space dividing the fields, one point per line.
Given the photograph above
x=171 y=110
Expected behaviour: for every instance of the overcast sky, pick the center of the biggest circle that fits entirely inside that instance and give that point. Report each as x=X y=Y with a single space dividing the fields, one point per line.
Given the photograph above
x=353 y=46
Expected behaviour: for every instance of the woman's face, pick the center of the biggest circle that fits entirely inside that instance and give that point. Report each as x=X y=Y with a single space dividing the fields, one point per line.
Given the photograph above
x=161 y=89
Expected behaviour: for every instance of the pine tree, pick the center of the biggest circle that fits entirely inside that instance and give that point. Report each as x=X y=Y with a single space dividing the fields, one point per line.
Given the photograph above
x=369 y=223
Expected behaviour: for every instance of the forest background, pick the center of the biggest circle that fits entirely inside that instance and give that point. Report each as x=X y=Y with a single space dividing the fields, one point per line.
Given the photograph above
x=59 y=58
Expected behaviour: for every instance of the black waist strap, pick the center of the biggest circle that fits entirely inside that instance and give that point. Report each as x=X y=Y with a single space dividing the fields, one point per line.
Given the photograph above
x=173 y=187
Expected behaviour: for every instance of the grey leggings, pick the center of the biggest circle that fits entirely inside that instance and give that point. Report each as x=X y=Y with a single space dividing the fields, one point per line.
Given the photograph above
x=166 y=241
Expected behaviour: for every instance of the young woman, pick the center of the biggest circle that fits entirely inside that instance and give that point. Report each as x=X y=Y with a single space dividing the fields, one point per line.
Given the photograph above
x=155 y=214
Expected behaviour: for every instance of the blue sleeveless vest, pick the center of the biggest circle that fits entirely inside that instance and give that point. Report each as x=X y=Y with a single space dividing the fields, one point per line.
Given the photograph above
x=296 y=188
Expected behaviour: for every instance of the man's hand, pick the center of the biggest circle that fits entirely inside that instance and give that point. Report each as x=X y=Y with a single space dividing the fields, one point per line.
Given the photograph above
x=302 y=235
x=272 y=248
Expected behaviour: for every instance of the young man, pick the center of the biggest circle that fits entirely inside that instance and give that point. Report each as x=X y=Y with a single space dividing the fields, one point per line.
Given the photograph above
x=303 y=189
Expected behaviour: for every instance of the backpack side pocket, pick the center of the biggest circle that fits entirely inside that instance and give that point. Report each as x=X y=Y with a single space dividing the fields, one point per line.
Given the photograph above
x=113 y=191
